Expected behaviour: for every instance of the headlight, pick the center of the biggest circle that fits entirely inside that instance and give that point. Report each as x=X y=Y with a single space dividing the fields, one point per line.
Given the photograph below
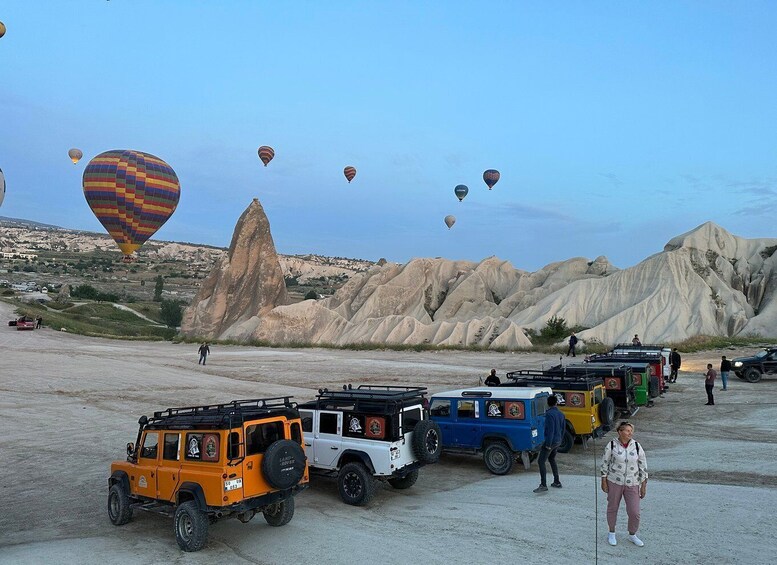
x=737 y=363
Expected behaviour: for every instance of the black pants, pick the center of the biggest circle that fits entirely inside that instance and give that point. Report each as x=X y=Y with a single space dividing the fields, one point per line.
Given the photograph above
x=708 y=388
x=548 y=454
x=571 y=350
x=673 y=375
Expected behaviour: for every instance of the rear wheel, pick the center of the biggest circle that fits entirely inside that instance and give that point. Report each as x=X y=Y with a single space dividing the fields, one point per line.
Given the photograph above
x=607 y=412
x=752 y=375
x=426 y=441
x=566 y=442
x=356 y=484
x=280 y=513
x=191 y=526
x=407 y=481
x=119 y=509
x=498 y=458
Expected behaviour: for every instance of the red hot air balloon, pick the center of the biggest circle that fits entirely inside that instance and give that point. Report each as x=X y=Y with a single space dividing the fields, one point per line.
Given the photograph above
x=266 y=153
x=491 y=176
x=349 y=173
x=132 y=194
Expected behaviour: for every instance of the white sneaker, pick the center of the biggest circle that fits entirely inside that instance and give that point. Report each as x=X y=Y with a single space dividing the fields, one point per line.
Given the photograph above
x=635 y=540
x=611 y=539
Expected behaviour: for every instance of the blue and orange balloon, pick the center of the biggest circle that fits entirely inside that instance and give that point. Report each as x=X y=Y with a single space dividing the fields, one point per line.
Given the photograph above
x=132 y=194
x=491 y=177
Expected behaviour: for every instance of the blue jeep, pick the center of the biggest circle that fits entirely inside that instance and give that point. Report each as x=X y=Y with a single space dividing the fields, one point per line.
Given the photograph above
x=502 y=424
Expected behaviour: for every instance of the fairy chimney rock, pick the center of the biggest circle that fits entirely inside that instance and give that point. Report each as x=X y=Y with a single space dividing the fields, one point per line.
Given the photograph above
x=247 y=282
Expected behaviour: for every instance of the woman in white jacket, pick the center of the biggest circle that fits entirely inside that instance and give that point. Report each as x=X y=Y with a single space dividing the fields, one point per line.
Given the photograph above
x=624 y=475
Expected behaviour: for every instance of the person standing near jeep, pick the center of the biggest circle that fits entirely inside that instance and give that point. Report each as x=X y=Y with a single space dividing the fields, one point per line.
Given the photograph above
x=555 y=423
x=572 y=344
x=492 y=379
x=725 y=367
x=709 y=384
x=674 y=362
x=204 y=351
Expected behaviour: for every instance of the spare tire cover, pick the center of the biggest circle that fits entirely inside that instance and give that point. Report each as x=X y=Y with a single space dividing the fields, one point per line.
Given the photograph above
x=283 y=465
x=427 y=441
x=653 y=388
x=607 y=412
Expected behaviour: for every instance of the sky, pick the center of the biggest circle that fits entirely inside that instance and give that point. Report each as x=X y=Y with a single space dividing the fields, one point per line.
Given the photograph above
x=615 y=125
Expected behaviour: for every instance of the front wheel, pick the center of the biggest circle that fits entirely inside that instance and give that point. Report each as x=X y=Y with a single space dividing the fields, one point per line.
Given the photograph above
x=356 y=484
x=280 y=513
x=499 y=458
x=119 y=509
x=407 y=481
x=752 y=375
x=191 y=526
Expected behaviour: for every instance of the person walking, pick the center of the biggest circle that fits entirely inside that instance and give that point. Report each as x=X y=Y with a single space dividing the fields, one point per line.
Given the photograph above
x=38 y=322
x=709 y=384
x=725 y=368
x=572 y=344
x=554 y=431
x=674 y=362
x=492 y=379
x=204 y=351
x=624 y=475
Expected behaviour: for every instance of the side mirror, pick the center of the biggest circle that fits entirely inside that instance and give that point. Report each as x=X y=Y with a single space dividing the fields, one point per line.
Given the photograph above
x=130 y=448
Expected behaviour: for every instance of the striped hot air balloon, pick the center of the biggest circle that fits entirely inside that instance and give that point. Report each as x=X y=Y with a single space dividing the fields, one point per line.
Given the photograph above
x=349 y=173
x=266 y=153
x=491 y=176
x=132 y=194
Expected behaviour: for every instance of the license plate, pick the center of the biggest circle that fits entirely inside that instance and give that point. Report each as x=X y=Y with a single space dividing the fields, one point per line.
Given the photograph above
x=534 y=433
x=233 y=484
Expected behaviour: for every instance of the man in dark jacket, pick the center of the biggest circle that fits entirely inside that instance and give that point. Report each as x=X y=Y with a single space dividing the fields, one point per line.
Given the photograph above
x=492 y=379
x=674 y=363
x=725 y=367
x=555 y=427
x=572 y=344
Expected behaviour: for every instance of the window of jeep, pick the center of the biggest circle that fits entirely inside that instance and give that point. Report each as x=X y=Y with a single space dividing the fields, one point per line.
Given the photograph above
x=466 y=408
x=539 y=405
x=307 y=424
x=598 y=395
x=296 y=433
x=327 y=423
x=440 y=407
x=150 y=444
x=495 y=408
x=170 y=451
x=410 y=418
x=233 y=447
x=261 y=436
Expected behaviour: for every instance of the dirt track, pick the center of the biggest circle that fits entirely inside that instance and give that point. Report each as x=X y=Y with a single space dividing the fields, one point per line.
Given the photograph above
x=69 y=404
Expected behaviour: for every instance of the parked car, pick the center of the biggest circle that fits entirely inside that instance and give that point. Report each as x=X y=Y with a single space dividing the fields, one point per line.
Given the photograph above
x=369 y=433
x=501 y=423
x=656 y=354
x=206 y=463
x=751 y=369
x=618 y=382
x=23 y=323
x=646 y=385
x=583 y=400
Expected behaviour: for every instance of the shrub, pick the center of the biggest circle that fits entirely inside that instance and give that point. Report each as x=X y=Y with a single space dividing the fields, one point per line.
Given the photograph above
x=171 y=313
x=311 y=295
x=556 y=328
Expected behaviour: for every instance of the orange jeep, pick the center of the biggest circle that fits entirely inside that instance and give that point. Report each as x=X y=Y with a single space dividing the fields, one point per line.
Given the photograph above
x=204 y=463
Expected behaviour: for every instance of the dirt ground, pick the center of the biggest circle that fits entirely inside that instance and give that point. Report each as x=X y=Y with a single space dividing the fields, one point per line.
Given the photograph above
x=69 y=404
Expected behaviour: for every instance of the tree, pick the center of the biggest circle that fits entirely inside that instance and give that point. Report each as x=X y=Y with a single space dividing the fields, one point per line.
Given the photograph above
x=171 y=313
x=311 y=295
x=160 y=285
x=555 y=328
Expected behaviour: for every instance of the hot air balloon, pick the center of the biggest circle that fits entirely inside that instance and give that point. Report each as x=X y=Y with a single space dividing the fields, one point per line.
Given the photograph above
x=2 y=29
x=132 y=194
x=460 y=191
x=2 y=187
x=349 y=173
x=449 y=221
x=491 y=176
x=266 y=153
x=75 y=155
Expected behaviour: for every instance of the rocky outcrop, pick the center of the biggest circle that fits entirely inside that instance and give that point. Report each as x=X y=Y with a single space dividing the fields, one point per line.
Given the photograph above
x=247 y=283
x=706 y=281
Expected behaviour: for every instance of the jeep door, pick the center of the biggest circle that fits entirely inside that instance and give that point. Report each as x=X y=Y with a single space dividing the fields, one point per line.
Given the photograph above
x=258 y=437
x=327 y=432
x=467 y=431
x=169 y=470
x=770 y=362
x=143 y=481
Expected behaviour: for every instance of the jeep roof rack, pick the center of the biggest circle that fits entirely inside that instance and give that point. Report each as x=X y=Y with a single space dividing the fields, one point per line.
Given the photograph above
x=532 y=377
x=221 y=416
x=369 y=397
x=627 y=355
x=648 y=346
x=590 y=369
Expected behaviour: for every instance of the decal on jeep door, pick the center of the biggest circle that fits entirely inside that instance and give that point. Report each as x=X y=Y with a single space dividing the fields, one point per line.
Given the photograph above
x=142 y=482
x=514 y=410
x=376 y=427
x=576 y=399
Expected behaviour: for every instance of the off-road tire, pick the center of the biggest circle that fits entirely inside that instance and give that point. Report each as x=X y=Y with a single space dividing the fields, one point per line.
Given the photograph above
x=191 y=526
x=119 y=509
x=499 y=458
x=427 y=441
x=607 y=412
x=567 y=441
x=280 y=513
x=283 y=464
x=654 y=388
x=356 y=484
x=752 y=375
x=401 y=483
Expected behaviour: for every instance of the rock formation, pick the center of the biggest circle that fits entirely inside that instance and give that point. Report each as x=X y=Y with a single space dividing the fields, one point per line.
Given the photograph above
x=706 y=281
x=247 y=282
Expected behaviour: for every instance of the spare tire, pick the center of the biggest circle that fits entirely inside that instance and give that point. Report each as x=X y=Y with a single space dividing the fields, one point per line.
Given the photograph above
x=607 y=412
x=427 y=441
x=283 y=465
x=653 y=389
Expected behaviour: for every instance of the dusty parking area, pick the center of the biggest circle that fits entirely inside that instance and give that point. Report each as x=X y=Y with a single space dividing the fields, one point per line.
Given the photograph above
x=69 y=404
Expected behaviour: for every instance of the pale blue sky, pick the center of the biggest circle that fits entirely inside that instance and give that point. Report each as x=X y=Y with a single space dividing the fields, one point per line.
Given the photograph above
x=615 y=125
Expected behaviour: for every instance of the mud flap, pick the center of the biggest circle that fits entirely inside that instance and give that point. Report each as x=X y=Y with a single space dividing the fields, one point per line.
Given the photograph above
x=525 y=459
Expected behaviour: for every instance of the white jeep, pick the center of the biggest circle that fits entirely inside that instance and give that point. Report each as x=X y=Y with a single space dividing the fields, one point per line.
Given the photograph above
x=367 y=433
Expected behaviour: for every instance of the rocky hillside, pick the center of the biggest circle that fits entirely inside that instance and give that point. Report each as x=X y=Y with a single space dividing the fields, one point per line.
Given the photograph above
x=706 y=281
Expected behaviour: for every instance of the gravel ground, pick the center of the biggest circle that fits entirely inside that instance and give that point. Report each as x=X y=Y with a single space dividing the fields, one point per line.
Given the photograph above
x=70 y=403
